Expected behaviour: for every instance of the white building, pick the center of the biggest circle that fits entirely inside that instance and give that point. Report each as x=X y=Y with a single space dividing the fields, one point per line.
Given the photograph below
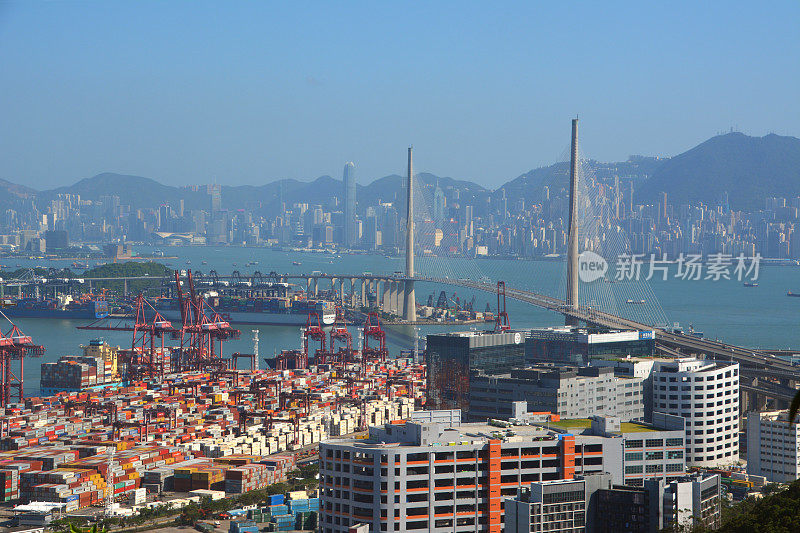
x=772 y=446
x=706 y=394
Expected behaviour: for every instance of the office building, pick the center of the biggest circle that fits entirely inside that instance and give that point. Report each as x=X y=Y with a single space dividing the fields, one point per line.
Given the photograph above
x=634 y=367
x=706 y=395
x=349 y=223
x=685 y=502
x=570 y=392
x=773 y=446
x=577 y=346
x=451 y=357
x=652 y=451
x=563 y=506
x=437 y=477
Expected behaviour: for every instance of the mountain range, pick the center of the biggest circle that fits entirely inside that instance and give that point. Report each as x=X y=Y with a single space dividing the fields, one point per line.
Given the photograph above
x=748 y=168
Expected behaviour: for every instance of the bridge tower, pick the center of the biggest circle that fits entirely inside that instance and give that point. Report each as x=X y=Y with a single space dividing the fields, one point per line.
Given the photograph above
x=572 y=243
x=409 y=301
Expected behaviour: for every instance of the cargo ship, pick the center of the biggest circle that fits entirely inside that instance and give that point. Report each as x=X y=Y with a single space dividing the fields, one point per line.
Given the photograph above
x=97 y=367
x=281 y=308
x=64 y=306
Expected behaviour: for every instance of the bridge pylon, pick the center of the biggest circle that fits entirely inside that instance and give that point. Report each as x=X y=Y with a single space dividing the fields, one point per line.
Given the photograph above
x=572 y=243
x=409 y=298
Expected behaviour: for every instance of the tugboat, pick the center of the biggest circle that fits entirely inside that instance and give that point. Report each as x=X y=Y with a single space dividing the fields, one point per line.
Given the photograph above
x=750 y=284
x=795 y=294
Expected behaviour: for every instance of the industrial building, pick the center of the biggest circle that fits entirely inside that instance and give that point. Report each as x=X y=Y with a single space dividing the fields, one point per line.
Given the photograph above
x=433 y=477
x=451 y=357
x=706 y=395
x=570 y=392
x=651 y=450
x=451 y=477
x=577 y=346
x=594 y=504
x=772 y=446
x=553 y=506
x=686 y=502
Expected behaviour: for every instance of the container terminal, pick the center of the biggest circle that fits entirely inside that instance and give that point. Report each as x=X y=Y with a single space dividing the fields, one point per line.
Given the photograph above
x=176 y=416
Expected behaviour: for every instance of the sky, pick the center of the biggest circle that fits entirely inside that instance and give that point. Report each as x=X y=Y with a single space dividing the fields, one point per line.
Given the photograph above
x=250 y=92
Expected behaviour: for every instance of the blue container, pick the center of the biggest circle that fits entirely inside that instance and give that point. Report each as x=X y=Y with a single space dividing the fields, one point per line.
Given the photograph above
x=72 y=498
x=276 y=499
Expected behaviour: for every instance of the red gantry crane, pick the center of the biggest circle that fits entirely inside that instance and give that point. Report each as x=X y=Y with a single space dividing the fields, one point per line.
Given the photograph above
x=339 y=332
x=15 y=346
x=373 y=330
x=502 y=322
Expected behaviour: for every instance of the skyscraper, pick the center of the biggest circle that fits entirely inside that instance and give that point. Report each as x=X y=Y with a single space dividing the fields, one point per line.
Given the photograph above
x=349 y=181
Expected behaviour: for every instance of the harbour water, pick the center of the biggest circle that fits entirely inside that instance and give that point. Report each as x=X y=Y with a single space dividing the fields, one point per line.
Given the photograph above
x=761 y=316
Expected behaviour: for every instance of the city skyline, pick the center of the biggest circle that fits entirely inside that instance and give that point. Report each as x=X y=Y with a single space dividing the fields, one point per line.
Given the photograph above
x=183 y=97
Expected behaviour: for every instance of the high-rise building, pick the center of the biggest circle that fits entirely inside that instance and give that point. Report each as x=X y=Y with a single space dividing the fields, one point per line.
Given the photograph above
x=439 y=204
x=773 y=446
x=349 y=224
x=214 y=191
x=706 y=395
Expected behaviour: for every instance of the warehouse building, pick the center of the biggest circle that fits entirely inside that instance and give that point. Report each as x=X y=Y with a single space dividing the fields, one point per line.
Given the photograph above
x=570 y=392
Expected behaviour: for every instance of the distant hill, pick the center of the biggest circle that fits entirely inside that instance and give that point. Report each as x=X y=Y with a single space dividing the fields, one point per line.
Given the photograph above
x=748 y=168
x=529 y=186
x=13 y=189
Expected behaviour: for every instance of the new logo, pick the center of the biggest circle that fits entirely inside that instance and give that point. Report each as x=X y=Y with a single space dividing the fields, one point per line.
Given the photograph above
x=591 y=266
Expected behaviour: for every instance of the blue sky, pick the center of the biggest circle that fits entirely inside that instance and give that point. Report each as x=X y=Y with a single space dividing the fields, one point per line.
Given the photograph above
x=249 y=92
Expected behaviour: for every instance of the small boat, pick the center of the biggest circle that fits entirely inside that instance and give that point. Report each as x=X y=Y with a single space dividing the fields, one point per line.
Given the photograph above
x=634 y=301
x=296 y=263
x=205 y=262
x=750 y=284
x=188 y=262
x=795 y=294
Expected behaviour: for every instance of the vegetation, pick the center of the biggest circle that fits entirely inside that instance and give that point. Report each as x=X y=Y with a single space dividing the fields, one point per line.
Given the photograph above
x=130 y=269
x=778 y=513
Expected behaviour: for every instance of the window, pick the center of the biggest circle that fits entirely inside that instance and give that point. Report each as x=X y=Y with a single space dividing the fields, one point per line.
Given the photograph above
x=633 y=469
x=677 y=441
x=654 y=443
x=633 y=444
x=633 y=456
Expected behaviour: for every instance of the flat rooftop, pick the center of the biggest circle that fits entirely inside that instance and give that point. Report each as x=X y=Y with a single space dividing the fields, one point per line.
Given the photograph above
x=585 y=423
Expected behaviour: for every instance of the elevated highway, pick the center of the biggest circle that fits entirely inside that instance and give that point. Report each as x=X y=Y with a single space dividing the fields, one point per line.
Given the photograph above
x=764 y=364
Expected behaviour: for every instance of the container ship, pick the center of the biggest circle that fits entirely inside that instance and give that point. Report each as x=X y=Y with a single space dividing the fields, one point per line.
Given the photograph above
x=64 y=306
x=277 y=310
x=97 y=367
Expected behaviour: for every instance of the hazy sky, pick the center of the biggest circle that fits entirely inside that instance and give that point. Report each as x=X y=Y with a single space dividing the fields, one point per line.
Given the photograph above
x=188 y=92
